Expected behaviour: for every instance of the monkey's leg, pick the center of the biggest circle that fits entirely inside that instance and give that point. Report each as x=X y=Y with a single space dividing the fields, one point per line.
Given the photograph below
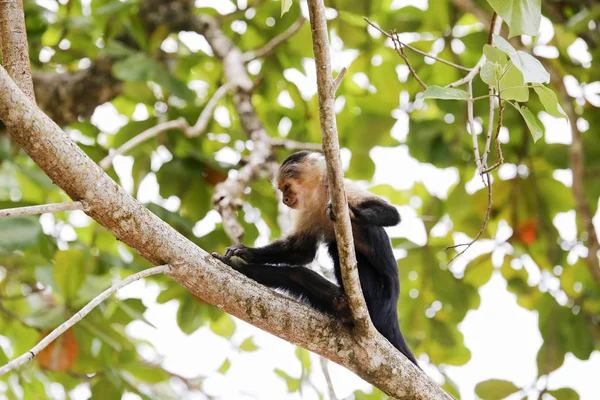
x=301 y=281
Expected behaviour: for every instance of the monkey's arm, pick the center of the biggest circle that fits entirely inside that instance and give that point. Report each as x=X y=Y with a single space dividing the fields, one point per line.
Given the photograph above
x=293 y=250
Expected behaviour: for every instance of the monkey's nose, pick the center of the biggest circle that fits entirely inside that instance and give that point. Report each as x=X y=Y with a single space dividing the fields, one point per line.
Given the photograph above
x=286 y=200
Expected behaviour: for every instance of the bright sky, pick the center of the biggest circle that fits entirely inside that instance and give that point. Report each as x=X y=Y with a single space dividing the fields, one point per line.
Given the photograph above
x=502 y=336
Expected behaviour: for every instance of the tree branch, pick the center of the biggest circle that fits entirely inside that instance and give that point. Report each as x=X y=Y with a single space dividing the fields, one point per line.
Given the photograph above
x=335 y=173
x=15 y=49
x=179 y=123
x=294 y=145
x=226 y=199
x=400 y=50
x=389 y=35
x=276 y=41
x=46 y=208
x=208 y=111
x=35 y=350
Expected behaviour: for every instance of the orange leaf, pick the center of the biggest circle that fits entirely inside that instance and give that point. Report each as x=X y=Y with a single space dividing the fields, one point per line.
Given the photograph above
x=61 y=354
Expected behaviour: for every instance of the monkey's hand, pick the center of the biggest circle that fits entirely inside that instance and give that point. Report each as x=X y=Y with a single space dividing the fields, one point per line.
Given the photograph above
x=352 y=211
x=341 y=310
x=238 y=250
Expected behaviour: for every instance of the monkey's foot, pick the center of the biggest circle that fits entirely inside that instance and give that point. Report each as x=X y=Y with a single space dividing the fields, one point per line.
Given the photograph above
x=341 y=310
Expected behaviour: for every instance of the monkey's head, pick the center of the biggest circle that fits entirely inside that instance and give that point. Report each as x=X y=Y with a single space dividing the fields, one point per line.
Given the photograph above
x=300 y=178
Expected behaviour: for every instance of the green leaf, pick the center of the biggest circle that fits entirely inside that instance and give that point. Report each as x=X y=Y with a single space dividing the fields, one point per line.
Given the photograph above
x=148 y=373
x=550 y=101
x=564 y=394
x=494 y=55
x=533 y=70
x=19 y=232
x=495 y=389
x=224 y=326
x=248 y=345
x=536 y=130
x=46 y=318
x=522 y=16
x=285 y=6
x=69 y=272
x=513 y=78
x=225 y=366
x=190 y=315
x=137 y=68
x=438 y=92
x=490 y=73
x=292 y=383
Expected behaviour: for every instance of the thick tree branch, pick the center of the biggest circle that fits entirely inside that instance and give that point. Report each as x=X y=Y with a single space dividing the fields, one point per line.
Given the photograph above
x=42 y=344
x=276 y=41
x=335 y=173
x=15 y=49
x=46 y=208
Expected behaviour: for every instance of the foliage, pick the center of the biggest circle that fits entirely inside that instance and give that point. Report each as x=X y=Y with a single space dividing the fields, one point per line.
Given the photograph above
x=74 y=259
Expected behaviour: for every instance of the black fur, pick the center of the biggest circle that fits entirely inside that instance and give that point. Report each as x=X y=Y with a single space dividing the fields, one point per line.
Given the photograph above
x=280 y=265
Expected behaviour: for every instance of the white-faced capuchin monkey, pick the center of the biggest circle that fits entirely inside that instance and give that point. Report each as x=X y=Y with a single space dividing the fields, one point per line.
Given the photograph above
x=302 y=179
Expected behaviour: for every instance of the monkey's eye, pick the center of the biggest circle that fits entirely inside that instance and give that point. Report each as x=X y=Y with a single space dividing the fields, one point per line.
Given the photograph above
x=286 y=187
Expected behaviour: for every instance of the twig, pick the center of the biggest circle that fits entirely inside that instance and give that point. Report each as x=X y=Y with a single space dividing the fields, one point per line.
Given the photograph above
x=495 y=27
x=494 y=30
x=417 y=50
x=335 y=173
x=207 y=112
x=294 y=145
x=25 y=358
x=400 y=50
x=328 y=380
x=45 y=208
x=273 y=43
x=497 y=138
x=483 y=226
x=471 y=122
x=179 y=123
x=338 y=79
x=15 y=49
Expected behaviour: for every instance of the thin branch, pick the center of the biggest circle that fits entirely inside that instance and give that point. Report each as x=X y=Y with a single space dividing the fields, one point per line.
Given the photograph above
x=338 y=79
x=273 y=43
x=15 y=49
x=294 y=145
x=328 y=380
x=208 y=111
x=335 y=173
x=483 y=226
x=471 y=123
x=389 y=35
x=400 y=50
x=179 y=123
x=45 y=208
x=35 y=350
x=497 y=138
x=495 y=27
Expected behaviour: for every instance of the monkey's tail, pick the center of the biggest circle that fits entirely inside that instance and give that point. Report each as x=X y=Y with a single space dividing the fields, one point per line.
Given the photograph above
x=397 y=340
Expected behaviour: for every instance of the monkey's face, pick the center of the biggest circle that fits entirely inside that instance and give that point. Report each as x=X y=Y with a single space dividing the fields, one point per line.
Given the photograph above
x=291 y=194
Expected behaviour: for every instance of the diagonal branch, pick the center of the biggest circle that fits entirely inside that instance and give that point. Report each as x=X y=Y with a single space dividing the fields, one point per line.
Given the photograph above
x=293 y=145
x=424 y=54
x=335 y=173
x=35 y=350
x=45 y=208
x=179 y=123
x=276 y=41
